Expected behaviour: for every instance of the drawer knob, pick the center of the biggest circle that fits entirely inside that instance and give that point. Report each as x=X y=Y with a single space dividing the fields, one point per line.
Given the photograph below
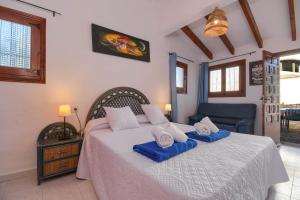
x=61 y=152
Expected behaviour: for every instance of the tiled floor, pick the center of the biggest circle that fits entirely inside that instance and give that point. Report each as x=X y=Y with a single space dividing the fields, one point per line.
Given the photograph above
x=63 y=188
x=289 y=190
x=68 y=187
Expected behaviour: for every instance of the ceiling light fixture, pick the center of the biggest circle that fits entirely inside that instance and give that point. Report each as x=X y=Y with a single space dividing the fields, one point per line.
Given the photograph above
x=216 y=24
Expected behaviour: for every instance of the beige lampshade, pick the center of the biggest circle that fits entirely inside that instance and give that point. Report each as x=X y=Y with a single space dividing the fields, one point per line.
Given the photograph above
x=64 y=110
x=168 y=107
x=216 y=24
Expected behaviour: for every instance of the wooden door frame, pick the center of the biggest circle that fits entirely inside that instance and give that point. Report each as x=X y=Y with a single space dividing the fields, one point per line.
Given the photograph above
x=286 y=53
x=272 y=128
x=264 y=52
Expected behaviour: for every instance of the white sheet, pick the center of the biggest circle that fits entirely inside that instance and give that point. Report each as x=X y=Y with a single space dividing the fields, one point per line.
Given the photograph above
x=237 y=167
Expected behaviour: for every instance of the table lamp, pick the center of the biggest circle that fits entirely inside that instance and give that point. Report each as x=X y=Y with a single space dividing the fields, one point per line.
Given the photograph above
x=64 y=111
x=168 y=108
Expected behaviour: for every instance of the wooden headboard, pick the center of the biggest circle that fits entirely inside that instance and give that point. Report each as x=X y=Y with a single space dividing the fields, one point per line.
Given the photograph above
x=118 y=97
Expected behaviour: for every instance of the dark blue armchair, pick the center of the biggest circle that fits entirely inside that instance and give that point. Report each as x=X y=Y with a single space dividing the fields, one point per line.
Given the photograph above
x=233 y=117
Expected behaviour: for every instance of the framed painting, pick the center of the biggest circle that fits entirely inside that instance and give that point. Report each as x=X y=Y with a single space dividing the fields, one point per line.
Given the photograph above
x=111 y=42
x=256 y=73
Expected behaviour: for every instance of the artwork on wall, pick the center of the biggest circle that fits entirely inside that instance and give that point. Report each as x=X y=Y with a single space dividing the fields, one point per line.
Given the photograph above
x=256 y=73
x=111 y=42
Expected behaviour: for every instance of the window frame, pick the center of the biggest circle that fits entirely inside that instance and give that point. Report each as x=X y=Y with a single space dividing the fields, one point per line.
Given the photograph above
x=242 y=79
x=38 y=48
x=184 y=66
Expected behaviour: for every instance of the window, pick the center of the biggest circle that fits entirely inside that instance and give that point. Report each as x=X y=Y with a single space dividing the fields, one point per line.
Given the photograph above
x=181 y=78
x=228 y=79
x=22 y=46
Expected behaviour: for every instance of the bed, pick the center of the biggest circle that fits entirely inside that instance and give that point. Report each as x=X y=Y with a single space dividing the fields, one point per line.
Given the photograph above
x=240 y=166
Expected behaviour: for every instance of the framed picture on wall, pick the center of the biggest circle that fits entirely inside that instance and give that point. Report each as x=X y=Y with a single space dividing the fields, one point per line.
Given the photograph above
x=256 y=72
x=112 y=42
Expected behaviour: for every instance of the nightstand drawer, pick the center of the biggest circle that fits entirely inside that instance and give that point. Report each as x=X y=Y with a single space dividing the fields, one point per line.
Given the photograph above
x=62 y=151
x=60 y=165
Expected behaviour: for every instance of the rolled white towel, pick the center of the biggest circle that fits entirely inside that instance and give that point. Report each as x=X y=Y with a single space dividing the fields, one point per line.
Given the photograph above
x=210 y=124
x=202 y=128
x=162 y=138
x=178 y=134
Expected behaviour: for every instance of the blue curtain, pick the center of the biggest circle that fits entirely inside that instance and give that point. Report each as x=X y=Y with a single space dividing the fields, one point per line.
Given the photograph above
x=203 y=83
x=172 y=62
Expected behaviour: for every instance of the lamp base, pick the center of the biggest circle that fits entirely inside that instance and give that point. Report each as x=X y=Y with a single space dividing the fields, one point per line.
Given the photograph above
x=65 y=135
x=169 y=117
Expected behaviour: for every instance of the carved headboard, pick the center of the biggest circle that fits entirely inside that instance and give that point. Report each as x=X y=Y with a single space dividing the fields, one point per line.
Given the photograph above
x=118 y=97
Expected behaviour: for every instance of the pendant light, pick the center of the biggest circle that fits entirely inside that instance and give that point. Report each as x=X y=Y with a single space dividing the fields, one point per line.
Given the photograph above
x=216 y=24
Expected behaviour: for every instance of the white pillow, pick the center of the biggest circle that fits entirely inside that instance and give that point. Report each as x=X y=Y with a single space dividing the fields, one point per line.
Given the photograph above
x=121 y=118
x=210 y=124
x=96 y=124
x=178 y=134
x=142 y=119
x=154 y=114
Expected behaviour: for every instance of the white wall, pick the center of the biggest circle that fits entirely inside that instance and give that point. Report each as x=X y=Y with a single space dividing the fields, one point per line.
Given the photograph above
x=77 y=76
x=254 y=93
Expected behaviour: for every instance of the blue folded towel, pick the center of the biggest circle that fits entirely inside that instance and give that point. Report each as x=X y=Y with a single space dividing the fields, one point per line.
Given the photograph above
x=158 y=154
x=208 y=138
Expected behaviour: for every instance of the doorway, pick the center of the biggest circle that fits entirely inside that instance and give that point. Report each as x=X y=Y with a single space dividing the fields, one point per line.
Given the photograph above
x=290 y=96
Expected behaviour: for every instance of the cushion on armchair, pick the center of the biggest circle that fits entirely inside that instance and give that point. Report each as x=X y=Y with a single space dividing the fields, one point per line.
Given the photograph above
x=224 y=120
x=233 y=117
x=227 y=127
x=195 y=118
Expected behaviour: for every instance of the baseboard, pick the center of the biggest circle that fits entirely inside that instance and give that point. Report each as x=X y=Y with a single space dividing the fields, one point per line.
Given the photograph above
x=17 y=174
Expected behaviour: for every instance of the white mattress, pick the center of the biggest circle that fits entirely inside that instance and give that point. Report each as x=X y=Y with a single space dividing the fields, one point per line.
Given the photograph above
x=237 y=167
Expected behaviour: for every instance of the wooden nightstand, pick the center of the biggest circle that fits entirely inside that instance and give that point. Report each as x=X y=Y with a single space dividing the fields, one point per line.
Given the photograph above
x=168 y=116
x=54 y=156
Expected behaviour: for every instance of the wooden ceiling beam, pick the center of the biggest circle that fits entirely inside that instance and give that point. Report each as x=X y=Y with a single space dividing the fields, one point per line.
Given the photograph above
x=188 y=32
x=251 y=21
x=292 y=18
x=226 y=41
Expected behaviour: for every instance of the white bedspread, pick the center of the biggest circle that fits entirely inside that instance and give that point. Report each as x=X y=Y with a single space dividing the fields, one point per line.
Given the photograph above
x=237 y=167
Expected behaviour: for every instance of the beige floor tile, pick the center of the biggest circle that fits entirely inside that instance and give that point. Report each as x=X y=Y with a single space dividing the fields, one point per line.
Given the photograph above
x=297 y=165
x=1 y=190
x=62 y=192
x=296 y=181
x=21 y=184
x=23 y=195
x=277 y=196
x=87 y=190
x=290 y=172
x=284 y=188
x=296 y=192
x=297 y=173
x=61 y=188
x=22 y=188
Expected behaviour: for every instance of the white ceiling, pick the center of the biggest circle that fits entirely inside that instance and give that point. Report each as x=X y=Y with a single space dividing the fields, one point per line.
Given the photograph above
x=272 y=18
x=174 y=14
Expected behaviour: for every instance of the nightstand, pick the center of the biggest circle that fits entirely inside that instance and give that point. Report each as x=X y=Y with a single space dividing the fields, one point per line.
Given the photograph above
x=57 y=157
x=168 y=116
